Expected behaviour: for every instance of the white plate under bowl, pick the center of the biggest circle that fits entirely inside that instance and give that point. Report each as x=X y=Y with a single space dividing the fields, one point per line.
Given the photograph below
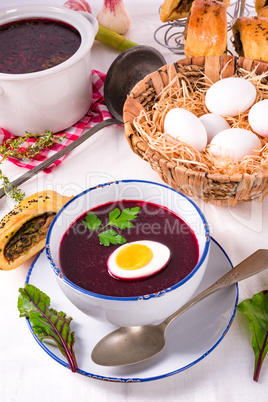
x=190 y=338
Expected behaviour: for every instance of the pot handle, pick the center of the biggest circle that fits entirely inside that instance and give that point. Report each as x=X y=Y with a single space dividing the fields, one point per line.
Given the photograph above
x=92 y=20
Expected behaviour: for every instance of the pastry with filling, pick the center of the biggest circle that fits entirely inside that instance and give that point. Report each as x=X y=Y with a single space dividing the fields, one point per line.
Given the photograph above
x=251 y=37
x=263 y=12
x=176 y=9
x=260 y=4
x=206 y=29
x=23 y=230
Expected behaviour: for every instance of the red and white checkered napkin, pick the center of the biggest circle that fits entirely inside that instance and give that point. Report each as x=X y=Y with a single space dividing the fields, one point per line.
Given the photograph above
x=97 y=113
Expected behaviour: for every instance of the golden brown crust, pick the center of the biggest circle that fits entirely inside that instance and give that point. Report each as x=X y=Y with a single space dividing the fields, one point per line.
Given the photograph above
x=251 y=37
x=260 y=4
x=38 y=204
x=263 y=12
x=176 y=9
x=206 y=33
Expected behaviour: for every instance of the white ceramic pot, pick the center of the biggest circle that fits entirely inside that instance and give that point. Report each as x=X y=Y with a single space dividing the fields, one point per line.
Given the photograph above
x=55 y=98
x=143 y=309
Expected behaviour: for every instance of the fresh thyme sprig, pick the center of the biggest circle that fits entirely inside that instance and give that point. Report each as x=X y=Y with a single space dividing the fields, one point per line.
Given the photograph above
x=9 y=190
x=19 y=148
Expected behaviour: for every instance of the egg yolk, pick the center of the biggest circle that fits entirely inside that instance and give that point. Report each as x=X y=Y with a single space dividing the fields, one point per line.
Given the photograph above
x=134 y=256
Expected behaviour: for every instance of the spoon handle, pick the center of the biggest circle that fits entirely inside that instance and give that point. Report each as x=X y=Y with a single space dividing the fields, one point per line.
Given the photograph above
x=255 y=263
x=41 y=166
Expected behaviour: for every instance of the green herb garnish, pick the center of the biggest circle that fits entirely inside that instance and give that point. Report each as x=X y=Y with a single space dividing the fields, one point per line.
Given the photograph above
x=121 y=220
x=46 y=322
x=19 y=148
x=256 y=310
x=10 y=190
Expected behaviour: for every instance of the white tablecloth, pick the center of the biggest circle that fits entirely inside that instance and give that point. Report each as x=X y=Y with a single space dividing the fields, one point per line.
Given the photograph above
x=28 y=374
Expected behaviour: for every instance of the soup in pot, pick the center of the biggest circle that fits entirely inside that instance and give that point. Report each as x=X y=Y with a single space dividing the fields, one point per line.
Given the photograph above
x=36 y=44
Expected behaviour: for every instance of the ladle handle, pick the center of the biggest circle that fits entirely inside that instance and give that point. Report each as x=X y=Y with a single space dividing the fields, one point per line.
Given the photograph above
x=41 y=166
x=255 y=263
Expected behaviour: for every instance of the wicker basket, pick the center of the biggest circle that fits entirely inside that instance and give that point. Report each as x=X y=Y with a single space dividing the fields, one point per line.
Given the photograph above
x=218 y=189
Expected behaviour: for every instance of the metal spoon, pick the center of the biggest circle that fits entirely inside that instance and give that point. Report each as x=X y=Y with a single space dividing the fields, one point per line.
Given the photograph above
x=125 y=72
x=128 y=345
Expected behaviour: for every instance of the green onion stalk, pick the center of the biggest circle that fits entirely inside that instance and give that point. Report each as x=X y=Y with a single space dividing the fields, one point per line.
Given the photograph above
x=113 y=39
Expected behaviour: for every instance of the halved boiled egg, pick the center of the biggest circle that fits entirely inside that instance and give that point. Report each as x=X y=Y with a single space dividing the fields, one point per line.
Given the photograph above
x=138 y=259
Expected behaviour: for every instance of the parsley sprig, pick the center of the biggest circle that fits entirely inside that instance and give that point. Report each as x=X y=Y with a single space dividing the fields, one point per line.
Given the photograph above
x=20 y=148
x=117 y=218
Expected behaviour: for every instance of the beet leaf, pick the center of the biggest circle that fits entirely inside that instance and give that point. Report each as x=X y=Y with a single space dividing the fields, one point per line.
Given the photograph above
x=256 y=310
x=46 y=322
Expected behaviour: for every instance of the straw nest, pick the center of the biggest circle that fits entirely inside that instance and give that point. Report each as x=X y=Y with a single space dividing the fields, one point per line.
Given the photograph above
x=220 y=181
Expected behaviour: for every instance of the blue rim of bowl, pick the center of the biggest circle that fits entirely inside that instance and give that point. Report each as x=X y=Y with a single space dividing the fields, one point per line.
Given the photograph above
x=61 y=277
x=137 y=379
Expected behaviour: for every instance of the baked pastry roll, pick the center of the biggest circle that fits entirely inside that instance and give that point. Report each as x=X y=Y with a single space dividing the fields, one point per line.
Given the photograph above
x=263 y=12
x=206 y=30
x=251 y=37
x=23 y=230
x=176 y=9
x=260 y=4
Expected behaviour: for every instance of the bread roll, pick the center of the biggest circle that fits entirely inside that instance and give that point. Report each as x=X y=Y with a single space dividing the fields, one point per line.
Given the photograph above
x=206 y=31
x=176 y=9
x=263 y=12
x=251 y=37
x=23 y=230
x=260 y=4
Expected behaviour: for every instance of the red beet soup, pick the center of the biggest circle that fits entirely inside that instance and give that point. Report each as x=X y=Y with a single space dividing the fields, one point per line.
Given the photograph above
x=36 y=44
x=83 y=260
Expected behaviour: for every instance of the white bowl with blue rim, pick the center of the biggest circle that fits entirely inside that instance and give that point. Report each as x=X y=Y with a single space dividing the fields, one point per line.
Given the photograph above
x=135 y=310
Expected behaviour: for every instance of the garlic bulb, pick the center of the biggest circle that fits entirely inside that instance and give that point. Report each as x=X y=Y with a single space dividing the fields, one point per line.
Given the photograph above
x=104 y=35
x=114 y=16
x=78 y=5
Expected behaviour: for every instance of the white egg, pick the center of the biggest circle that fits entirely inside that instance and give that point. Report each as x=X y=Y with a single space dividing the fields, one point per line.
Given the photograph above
x=258 y=118
x=230 y=96
x=213 y=124
x=186 y=127
x=235 y=143
x=138 y=259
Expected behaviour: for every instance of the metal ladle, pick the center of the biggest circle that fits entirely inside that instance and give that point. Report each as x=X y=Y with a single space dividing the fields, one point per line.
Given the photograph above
x=125 y=72
x=128 y=345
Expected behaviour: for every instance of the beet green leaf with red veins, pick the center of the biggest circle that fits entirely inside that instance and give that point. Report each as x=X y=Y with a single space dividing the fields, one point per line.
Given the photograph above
x=256 y=310
x=46 y=322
